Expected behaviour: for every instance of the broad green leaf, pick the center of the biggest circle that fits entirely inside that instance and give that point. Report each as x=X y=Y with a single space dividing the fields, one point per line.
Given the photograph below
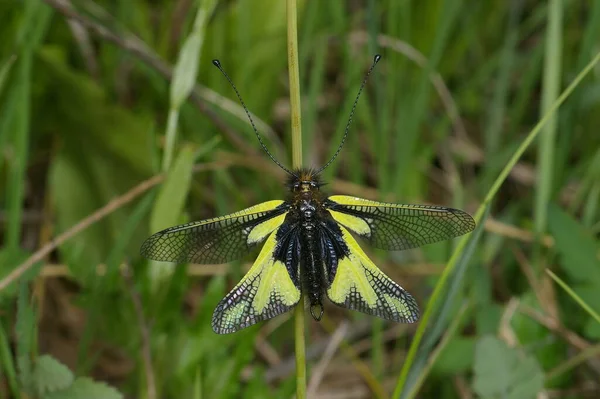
x=503 y=372
x=169 y=204
x=456 y=357
x=186 y=69
x=172 y=195
x=86 y=388
x=576 y=246
x=50 y=375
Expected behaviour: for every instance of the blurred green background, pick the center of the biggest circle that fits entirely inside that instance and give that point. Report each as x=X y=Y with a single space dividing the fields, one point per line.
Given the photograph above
x=87 y=114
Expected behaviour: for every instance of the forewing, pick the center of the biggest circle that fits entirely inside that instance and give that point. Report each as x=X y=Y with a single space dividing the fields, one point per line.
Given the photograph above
x=396 y=226
x=356 y=283
x=267 y=290
x=217 y=240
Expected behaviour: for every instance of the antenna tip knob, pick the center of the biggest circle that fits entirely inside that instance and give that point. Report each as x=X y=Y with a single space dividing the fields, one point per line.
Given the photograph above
x=216 y=63
x=376 y=58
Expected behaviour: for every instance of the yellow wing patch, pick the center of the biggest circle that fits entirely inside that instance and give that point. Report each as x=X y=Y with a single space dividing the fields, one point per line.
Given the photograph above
x=266 y=291
x=360 y=285
x=351 y=277
x=261 y=230
x=354 y=223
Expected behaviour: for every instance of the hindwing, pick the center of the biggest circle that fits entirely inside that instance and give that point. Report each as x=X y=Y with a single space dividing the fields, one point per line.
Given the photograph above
x=270 y=287
x=356 y=283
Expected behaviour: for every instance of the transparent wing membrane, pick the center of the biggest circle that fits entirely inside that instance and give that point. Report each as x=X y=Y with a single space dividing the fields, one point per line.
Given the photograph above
x=397 y=226
x=217 y=240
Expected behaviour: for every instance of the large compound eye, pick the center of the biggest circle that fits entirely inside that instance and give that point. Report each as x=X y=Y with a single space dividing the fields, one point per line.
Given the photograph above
x=296 y=186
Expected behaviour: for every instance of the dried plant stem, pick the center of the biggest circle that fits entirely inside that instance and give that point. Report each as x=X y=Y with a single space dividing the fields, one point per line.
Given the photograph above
x=86 y=222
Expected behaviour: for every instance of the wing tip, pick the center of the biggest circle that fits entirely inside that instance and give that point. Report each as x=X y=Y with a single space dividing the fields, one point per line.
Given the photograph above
x=466 y=222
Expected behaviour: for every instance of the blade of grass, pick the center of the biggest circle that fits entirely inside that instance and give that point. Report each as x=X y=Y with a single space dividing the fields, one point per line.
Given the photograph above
x=546 y=149
x=6 y=66
x=450 y=333
x=436 y=296
x=8 y=366
x=573 y=295
x=573 y=362
x=497 y=116
x=294 y=79
x=442 y=320
x=184 y=76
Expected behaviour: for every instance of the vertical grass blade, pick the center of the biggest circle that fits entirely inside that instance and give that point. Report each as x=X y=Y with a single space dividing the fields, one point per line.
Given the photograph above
x=5 y=69
x=550 y=91
x=7 y=366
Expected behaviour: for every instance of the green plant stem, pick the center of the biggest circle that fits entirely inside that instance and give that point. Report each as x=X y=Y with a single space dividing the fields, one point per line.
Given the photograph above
x=439 y=288
x=294 y=77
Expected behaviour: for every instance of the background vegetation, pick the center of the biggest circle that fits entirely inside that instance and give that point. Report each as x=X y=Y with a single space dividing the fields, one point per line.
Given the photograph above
x=94 y=116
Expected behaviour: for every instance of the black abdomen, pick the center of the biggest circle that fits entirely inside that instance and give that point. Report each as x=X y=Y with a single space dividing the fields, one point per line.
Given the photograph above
x=311 y=269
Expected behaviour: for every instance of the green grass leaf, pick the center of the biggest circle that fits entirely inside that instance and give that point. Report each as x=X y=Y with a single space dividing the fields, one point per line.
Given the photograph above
x=24 y=329
x=502 y=372
x=50 y=375
x=186 y=68
x=173 y=193
x=5 y=69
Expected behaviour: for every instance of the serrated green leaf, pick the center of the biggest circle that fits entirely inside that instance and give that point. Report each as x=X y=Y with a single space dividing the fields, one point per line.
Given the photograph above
x=501 y=372
x=576 y=246
x=50 y=375
x=86 y=388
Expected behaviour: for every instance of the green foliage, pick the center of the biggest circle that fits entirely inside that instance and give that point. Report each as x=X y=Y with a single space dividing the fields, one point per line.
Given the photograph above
x=502 y=372
x=84 y=120
x=173 y=192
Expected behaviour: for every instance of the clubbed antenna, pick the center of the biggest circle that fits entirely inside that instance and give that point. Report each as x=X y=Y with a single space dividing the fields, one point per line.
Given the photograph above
x=262 y=144
x=362 y=86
